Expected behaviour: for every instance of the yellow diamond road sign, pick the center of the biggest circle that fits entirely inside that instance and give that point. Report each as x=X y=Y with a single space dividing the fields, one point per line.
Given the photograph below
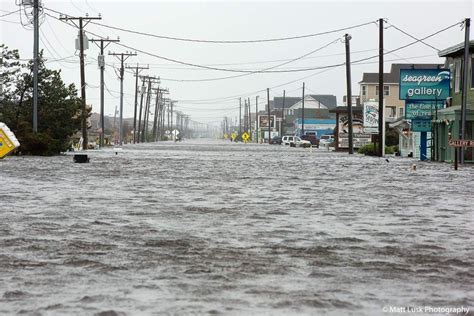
x=8 y=141
x=234 y=135
x=245 y=136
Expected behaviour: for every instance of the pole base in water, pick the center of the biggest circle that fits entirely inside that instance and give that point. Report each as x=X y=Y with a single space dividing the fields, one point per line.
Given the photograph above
x=81 y=158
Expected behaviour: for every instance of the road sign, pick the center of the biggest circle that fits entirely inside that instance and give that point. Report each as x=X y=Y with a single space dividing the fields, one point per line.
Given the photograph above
x=226 y=136
x=8 y=141
x=461 y=143
x=421 y=125
x=245 y=136
x=175 y=132
x=234 y=136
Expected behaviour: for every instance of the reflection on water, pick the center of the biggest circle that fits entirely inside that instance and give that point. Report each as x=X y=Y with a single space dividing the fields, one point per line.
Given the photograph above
x=210 y=227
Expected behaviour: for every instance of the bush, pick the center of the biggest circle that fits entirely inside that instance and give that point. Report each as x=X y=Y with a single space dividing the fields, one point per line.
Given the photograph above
x=369 y=150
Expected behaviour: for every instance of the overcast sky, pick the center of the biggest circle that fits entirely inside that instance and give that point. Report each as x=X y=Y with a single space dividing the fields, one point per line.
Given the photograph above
x=238 y=20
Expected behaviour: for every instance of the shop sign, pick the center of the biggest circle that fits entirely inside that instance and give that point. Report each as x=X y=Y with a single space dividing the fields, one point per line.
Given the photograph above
x=424 y=84
x=421 y=109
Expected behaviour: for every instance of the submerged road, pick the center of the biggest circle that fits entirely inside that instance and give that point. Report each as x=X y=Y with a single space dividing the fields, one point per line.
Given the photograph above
x=213 y=227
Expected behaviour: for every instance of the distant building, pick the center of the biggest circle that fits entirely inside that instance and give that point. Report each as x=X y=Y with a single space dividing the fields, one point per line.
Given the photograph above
x=369 y=89
x=448 y=120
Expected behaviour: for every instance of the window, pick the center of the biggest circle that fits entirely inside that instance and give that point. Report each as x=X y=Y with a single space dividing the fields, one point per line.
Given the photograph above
x=472 y=72
x=364 y=90
x=457 y=76
x=400 y=112
x=386 y=90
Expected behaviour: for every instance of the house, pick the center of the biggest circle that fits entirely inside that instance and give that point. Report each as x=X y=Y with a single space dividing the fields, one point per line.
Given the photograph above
x=369 y=89
x=448 y=121
x=394 y=115
x=316 y=108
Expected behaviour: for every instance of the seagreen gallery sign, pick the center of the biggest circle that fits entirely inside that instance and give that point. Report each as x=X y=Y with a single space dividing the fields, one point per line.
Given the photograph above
x=424 y=84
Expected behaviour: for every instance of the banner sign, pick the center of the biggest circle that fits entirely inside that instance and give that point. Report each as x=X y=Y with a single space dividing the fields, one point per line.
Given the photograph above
x=424 y=84
x=421 y=125
x=263 y=121
x=421 y=109
x=461 y=143
x=371 y=117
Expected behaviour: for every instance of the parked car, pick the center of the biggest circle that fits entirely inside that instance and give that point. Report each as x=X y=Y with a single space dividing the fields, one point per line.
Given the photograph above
x=326 y=140
x=298 y=142
x=286 y=140
x=275 y=140
x=312 y=139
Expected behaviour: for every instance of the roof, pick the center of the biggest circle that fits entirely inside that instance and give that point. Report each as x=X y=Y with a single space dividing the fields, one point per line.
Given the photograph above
x=456 y=50
x=394 y=75
x=316 y=121
x=328 y=100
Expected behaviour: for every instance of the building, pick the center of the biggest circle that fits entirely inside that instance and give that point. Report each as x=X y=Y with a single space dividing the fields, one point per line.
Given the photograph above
x=448 y=121
x=316 y=107
x=394 y=107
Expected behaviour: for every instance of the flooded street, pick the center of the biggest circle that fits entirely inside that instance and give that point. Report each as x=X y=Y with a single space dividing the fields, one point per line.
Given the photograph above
x=213 y=227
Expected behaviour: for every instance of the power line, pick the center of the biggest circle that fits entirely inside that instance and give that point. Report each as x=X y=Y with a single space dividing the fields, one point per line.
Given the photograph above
x=229 y=41
x=413 y=37
x=10 y=13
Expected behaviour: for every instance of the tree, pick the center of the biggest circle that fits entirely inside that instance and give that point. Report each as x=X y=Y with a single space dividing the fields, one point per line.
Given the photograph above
x=59 y=108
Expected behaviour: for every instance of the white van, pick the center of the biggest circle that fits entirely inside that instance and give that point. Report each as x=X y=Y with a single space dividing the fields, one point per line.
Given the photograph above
x=286 y=140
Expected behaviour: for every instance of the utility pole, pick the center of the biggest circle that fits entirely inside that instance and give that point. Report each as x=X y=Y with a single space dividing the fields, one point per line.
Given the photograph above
x=142 y=93
x=467 y=25
x=122 y=57
x=269 y=125
x=35 y=63
x=240 y=116
x=283 y=115
x=155 y=117
x=101 y=60
x=381 y=149
x=347 y=38
x=137 y=69
x=256 y=117
x=249 y=120
x=81 y=26
x=302 y=114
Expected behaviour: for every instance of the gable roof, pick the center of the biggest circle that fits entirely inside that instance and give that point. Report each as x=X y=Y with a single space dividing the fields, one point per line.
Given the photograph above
x=394 y=75
x=328 y=100
x=456 y=50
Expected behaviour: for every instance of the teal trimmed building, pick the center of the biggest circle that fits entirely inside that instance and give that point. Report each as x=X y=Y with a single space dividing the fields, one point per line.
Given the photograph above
x=448 y=120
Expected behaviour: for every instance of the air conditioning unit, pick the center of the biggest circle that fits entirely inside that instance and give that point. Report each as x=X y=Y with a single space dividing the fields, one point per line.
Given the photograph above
x=27 y=2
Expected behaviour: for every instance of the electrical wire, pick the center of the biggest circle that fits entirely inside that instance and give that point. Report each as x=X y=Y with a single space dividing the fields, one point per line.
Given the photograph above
x=411 y=36
x=10 y=13
x=225 y=41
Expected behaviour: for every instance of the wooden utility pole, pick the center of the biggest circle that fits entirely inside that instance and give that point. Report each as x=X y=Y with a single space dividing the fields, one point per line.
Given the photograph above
x=122 y=57
x=240 y=116
x=347 y=38
x=381 y=149
x=137 y=69
x=302 y=114
x=101 y=61
x=268 y=110
x=283 y=116
x=467 y=25
x=35 y=63
x=142 y=93
x=256 y=118
x=83 y=21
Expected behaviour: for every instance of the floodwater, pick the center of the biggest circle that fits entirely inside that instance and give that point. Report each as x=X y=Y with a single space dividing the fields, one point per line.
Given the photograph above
x=213 y=227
